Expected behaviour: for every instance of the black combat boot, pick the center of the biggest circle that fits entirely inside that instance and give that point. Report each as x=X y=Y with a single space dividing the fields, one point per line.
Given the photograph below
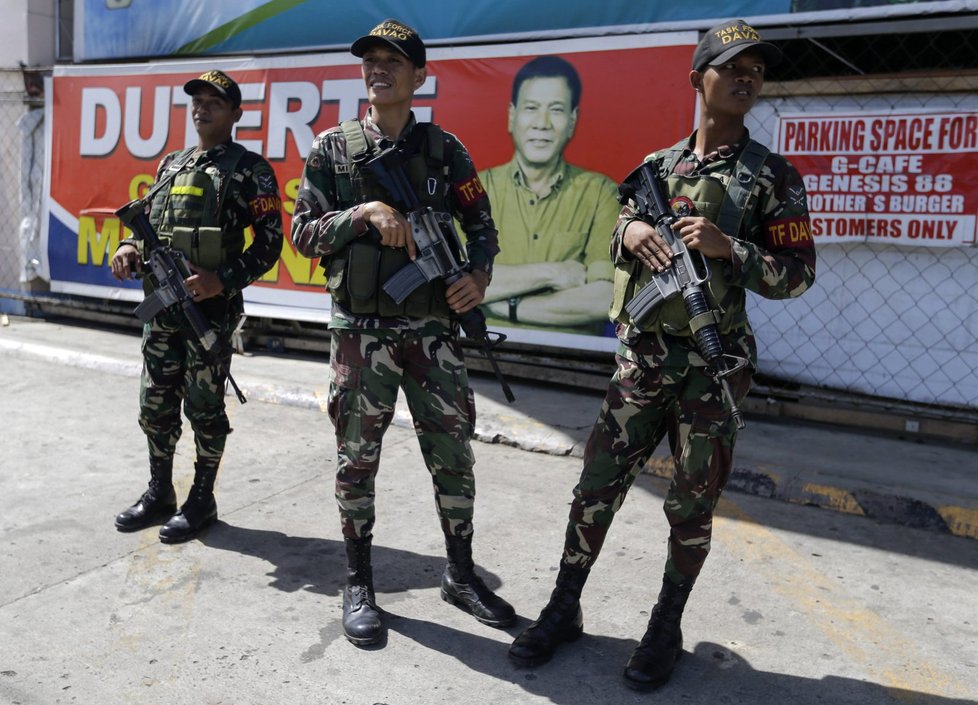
x=560 y=621
x=158 y=503
x=652 y=661
x=461 y=587
x=198 y=512
x=361 y=618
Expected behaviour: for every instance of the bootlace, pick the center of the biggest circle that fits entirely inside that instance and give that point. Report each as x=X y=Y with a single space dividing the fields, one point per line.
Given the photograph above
x=662 y=632
x=154 y=493
x=359 y=596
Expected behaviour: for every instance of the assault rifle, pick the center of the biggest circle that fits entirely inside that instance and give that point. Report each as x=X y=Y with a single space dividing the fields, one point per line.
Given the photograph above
x=440 y=254
x=685 y=276
x=169 y=267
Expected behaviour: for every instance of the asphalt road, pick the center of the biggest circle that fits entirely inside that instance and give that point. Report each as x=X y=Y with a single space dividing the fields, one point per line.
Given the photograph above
x=796 y=604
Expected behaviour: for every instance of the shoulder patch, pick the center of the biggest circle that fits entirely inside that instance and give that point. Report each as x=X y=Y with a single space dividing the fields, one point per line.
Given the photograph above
x=266 y=181
x=261 y=206
x=469 y=191
x=788 y=233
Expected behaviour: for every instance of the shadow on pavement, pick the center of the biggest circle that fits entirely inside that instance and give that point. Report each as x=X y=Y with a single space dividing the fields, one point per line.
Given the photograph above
x=319 y=565
x=588 y=672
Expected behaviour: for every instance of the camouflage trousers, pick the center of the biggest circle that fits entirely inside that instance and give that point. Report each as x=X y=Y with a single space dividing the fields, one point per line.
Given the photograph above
x=367 y=368
x=656 y=391
x=176 y=372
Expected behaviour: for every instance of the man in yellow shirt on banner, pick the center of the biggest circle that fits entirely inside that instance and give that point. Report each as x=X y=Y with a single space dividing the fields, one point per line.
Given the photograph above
x=555 y=219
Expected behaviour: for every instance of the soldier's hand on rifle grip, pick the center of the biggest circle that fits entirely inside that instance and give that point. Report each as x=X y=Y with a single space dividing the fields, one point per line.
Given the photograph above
x=647 y=246
x=203 y=283
x=126 y=262
x=391 y=225
x=467 y=292
x=700 y=234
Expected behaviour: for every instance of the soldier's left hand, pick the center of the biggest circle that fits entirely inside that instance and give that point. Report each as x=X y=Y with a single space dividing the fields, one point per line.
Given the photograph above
x=203 y=283
x=468 y=291
x=700 y=234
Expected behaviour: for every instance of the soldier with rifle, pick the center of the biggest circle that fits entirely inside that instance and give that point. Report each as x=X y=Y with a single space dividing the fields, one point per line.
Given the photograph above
x=187 y=244
x=703 y=221
x=346 y=214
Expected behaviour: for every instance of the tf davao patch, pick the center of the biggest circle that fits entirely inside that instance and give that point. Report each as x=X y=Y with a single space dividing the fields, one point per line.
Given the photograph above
x=263 y=205
x=788 y=232
x=470 y=191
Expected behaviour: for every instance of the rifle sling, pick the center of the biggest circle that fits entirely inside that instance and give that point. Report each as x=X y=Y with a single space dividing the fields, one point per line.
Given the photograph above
x=707 y=318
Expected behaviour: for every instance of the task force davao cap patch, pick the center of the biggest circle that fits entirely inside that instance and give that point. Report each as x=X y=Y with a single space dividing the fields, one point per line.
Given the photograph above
x=725 y=41
x=395 y=34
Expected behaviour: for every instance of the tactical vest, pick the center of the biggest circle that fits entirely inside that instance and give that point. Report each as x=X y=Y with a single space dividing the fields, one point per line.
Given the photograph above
x=188 y=215
x=726 y=204
x=356 y=274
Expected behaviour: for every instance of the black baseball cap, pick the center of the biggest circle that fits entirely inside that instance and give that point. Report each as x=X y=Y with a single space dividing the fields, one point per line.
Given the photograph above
x=725 y=41
x=219 y=81
x=396 y=34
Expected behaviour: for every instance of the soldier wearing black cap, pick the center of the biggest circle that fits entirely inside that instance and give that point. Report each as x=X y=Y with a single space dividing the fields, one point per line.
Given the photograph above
x=213 y=192
x=744 y=208
x=343 y=216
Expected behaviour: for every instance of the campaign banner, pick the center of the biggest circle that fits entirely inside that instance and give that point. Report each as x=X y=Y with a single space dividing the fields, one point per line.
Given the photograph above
x=108 y=126
x=900 y=178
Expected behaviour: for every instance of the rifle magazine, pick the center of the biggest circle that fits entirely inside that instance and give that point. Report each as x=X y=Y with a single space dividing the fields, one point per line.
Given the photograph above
x=403 y=282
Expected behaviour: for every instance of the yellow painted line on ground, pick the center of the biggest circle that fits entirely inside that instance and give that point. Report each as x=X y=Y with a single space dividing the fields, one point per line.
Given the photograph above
x=833 y=498
x=775 y=477
x=961 y=521
x=888 y=657
x=160 y=578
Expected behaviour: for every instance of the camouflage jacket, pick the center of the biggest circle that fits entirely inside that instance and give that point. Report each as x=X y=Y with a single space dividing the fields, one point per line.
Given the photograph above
x=323 y=225
x=252 y=199
x=767 y=255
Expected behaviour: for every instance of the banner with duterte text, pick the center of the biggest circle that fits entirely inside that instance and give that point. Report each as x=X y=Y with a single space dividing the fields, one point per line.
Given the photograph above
x=109 y=125
x=901 y=178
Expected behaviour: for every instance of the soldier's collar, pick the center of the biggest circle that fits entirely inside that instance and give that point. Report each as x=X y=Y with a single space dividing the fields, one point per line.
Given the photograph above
x=215 y=150
x=370 y=126
x=722 y=152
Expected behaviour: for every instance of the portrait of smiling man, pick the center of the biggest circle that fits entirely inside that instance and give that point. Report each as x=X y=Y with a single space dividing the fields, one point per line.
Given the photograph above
x=555 y=219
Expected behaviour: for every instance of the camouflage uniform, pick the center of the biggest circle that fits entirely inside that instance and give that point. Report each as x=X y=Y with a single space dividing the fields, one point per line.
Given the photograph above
x=371 y=356
x=174 y=365
x=661 y=385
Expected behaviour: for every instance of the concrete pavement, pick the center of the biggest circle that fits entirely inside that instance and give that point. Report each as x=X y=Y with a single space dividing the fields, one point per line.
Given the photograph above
x=795 y=605
x=925 y=484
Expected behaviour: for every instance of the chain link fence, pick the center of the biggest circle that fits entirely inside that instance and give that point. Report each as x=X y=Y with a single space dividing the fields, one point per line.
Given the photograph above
x=11 y=109
x=897 y=323
x=21 y=184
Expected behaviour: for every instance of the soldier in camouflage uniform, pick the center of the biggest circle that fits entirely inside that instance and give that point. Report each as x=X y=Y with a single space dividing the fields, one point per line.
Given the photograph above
x=662 y=385
x=377 y=346
x=211 y=194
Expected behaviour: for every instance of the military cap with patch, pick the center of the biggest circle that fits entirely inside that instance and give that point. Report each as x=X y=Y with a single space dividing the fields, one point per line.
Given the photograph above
x=396 y=34
x=726 y=40
x=219 y=81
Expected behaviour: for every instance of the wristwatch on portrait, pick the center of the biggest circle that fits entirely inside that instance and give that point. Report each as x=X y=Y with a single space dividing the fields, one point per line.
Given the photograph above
x=514 y=301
